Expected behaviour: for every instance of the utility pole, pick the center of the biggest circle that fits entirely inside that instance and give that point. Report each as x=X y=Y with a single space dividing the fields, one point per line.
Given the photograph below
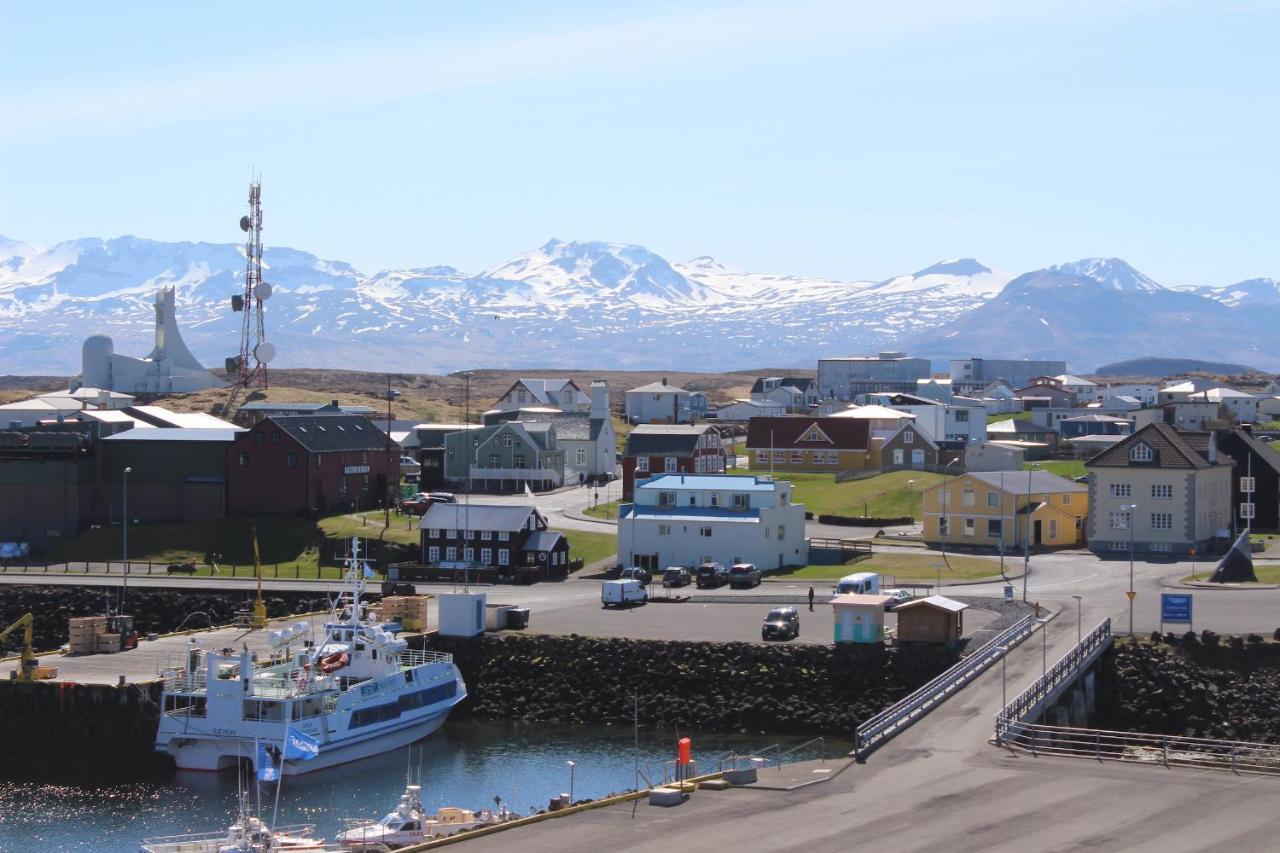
x=125 y=487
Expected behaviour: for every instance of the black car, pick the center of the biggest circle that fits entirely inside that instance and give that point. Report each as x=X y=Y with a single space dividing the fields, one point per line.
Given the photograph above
x=675 y=576
x=711 y=575
x=744 y=575
x=782 y=623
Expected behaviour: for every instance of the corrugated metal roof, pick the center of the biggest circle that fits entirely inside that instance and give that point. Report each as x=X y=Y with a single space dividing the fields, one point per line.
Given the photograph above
x=939 y=601
x=690 y=515
x=1020 y=482
x=542 y=540
x=855 y=600
x=475 y=517
x=176 y=434
x=322 y=433
x=710 y=482
x=658 y=388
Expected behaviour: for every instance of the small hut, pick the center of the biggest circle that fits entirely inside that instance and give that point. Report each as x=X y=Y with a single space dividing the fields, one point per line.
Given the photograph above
x=936 y=619
x=859 y=618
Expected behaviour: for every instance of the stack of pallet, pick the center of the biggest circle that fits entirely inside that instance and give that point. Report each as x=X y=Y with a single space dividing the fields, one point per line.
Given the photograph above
x=409 y=610
x=85 y=632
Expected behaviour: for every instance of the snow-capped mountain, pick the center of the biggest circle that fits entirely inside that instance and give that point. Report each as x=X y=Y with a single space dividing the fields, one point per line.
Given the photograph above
x=605 y=305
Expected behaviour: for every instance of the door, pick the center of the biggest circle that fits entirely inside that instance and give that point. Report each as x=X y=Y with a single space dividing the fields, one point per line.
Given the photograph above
x=897 y=456
x=917 y=459
x=1036 y=539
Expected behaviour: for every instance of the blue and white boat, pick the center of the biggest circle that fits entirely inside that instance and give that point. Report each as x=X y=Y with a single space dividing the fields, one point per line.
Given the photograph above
x=355 y=691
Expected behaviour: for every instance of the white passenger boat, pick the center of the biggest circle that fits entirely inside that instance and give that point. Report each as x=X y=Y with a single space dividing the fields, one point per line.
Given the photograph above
x=408 y=823
x=355 y=691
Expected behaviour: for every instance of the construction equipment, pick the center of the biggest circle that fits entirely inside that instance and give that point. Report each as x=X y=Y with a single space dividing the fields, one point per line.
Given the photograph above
x=29 y=666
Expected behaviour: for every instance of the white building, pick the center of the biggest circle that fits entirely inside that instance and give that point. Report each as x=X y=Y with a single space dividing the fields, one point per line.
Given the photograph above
x=61 y=404
x=169 y=369
x=1180 y=391
x=741 y=411
x=1081 y=387
x=794 y=393
x=658 y=403
x=1147 y=393
x=1242 y=407
x=687 y=520
x=528 y=393
x=950 y=423
x=588 y=439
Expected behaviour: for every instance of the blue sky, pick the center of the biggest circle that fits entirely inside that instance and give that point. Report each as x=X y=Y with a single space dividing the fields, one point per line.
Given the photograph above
x=841 y=139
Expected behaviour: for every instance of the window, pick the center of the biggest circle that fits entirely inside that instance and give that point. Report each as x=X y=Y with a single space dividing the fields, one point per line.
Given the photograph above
x=504 y=536
x=469 y=554
x=715 y=499
x=704 y=531
x=259 y=438
x=962 y=416
x=1121 y=490
x=433 y=554
x=243 y=459
x=495 y=461
x=741 y=501
x=908 y=437
x=504 y=557
x=451 y=553
x=968 y=497
x=782 y=531
x=1160 y=546
x=519 y=460
x=1141 y=453
x=669 y=464
x=944 y=525
x=450 y=533
x=762 y=456
x=642 y=464
x=833 y=457
x=797 y=457
x=993 y=499
x=664 y=529
x=582 y=456
x=666 y=498
x=1161 y=521
x=995 y=528
x=1162 y=491
x=1119 y=520
x=275 y=438
x=506 y=441
x=433 y=533
x=486 y=535
x=291 y=460
x=779 y=456
x=968 y=527
x=1066 y=499
x=319 y=460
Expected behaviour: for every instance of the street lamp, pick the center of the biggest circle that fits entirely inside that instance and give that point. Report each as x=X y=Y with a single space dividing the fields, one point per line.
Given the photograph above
x=1129 y=508
x=571 y=766
x=125 y=489
x=1079 y=634
x=1026 y=539
x=1044 y=645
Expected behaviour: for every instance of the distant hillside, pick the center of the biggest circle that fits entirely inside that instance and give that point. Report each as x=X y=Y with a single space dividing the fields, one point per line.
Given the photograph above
x=1154 y=366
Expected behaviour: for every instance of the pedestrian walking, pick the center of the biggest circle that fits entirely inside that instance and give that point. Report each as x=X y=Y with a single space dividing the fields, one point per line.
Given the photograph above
x=810 y=599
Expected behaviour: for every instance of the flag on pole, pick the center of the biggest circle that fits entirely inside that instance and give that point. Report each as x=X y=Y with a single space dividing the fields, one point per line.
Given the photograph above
x=368 y=572
x=300 y=746
x=528 y=492
x=267 y=770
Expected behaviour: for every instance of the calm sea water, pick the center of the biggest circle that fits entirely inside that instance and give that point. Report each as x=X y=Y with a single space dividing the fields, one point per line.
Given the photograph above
x=464 y=764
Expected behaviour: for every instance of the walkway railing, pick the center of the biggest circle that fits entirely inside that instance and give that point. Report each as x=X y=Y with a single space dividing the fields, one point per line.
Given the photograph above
x=1167 y=750
x=903 y=713
x=1063 y=672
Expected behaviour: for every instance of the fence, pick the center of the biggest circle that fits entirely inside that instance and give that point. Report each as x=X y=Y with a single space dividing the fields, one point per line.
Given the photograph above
x=270 y=571
x=1168 y=750
x=903 y=713
x=1063 y=672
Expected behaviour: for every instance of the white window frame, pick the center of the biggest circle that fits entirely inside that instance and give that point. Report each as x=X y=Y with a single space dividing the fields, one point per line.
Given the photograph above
x=908 y=437
x=582 y=456
x=433 y=554
x=664 y=529
x=1121 y=490
x=1142 y=452
x=642 y=464
x=486 y=535
x=993 y=498
x=669 y=465
x=762 y=456
x=451 y=553
x=1119 y=520
x=486 y=556
x=504 y=536
x=504 y=557
x=1161 y=521
x=705 y=531
x=1162 y=491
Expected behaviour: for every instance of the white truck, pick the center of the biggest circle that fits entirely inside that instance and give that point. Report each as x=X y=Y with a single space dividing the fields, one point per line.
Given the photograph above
x=859 y=583
x=621 y=592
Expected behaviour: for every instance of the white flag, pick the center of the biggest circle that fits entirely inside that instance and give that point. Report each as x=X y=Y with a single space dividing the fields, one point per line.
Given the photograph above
x=528 y=492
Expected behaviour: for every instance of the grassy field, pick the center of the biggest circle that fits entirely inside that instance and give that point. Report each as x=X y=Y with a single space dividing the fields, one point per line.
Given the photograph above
x=590 y=547
x=1069 y=468
x=609 y=510
x=1265 y=572
x=882 y=496
x=1009 y=416
x=907 y=567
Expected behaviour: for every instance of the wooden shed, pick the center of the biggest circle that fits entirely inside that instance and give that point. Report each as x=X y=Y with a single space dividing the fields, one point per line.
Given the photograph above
x=859 y=618
x=936 y=619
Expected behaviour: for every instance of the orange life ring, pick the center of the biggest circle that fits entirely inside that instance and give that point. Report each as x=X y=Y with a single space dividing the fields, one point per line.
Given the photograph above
x=334 y=662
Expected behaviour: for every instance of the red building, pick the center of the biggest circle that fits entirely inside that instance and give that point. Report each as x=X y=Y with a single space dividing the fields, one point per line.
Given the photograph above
x=301 y=464
x=671 y=449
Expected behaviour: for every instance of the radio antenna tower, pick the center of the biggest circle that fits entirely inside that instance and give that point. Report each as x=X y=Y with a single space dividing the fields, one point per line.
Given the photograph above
x=250 y=366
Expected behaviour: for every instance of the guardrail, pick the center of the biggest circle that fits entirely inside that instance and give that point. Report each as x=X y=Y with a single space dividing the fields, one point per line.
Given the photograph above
x=906 y=711
x=1168 y=750
x=1065 y=670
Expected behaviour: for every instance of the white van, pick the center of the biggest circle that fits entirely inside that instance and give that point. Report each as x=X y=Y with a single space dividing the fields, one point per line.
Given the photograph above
x=859 y=583
x=625 y=591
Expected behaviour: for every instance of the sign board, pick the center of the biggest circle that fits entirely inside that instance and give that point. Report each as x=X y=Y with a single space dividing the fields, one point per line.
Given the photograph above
x=356 y=469
x=1175 y=607
x=1132 y=594
x=1008 y=592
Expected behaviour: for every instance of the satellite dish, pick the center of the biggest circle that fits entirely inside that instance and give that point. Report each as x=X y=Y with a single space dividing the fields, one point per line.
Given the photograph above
x=264 y=352
x=244 y=223
x=263 y=290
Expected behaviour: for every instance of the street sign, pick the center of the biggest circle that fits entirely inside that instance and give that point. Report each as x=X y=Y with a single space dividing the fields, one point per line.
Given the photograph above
x=1132 y=594
x=1174 y=607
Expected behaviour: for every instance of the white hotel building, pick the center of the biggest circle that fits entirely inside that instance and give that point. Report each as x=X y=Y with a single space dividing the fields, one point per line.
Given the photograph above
x=689 y=519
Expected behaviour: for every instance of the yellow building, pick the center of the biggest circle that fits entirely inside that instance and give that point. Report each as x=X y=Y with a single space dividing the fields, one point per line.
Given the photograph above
x=982 y=509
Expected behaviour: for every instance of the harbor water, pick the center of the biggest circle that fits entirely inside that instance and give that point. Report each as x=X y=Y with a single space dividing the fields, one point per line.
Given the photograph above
x=466 y=764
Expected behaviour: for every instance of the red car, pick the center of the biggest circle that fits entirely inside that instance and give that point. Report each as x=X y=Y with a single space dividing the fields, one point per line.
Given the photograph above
x=416 y=504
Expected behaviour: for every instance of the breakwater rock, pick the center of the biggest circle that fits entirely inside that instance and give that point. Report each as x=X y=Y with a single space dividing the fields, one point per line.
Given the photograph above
x=155 y=610
x=1197 y=685
x=726 y=687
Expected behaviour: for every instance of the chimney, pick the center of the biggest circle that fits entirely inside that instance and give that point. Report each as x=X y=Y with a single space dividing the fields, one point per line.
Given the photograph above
x=333 y=403
x=664 y=380
x=599 y=399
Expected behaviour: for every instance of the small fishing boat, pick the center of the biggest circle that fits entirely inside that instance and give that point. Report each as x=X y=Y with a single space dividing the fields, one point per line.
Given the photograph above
x=248 y=834
x=408 y=823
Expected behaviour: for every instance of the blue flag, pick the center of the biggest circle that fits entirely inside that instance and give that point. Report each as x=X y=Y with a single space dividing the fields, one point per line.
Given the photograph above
x=267 y=770
x=300 y=746
x=368 y=572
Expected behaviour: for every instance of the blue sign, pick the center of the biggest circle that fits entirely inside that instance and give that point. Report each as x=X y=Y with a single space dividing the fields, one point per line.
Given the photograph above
x=1175 y=607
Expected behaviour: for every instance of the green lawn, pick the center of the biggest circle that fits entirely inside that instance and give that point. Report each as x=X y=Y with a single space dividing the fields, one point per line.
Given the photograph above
x=590 y=547
x=1069 y=468
x=882 y=496
x=368 y=525
x=907 y=567
x=1009 y=416
x=283 y=540
x=609 y=510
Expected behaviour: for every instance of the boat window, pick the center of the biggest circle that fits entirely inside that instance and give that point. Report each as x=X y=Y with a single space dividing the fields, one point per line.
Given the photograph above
x=411 y=826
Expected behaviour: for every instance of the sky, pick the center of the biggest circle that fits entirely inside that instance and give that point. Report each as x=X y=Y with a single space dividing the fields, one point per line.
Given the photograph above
x=848 y=140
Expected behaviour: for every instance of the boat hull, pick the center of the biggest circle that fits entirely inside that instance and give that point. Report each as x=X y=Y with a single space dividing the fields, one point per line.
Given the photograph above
x=214 y=753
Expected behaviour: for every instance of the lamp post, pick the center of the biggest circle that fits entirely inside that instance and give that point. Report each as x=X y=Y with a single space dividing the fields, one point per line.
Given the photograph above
x=1129 y=508
x=1026 y=539
x=1079 y=634
x=125 y=488
x=572 y=765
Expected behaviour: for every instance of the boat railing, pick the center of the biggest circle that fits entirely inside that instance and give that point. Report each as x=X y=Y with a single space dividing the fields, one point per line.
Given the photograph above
x=199 y=840
x=417 y=657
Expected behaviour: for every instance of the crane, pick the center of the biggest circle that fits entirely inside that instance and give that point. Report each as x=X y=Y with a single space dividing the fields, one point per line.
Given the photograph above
x=27 y=668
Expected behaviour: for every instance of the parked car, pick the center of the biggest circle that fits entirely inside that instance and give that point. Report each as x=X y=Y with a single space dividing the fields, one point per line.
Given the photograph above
x=635 y=572
x=443 y=497
x=744 y=575
x=408 y=463
x=417 y=504
x=782 y=623
x=674 y=576
x=711 y=575
x=623 y=591
x=182 y=568
x=898 y=597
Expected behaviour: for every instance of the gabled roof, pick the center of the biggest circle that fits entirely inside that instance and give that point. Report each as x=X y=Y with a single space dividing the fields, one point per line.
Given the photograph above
x=940 y=602
x=305 y=407
x=1021 y=482
x=162 y=417
x=874 y=412
x=1102 y=419
x=658 y=388
x=1068 y=379
x=665 y=439
x=783 y=433
x=476 y=517
x=1219 y=394
x=800 y=383
x=1170 y=448
x=542 y=540
x=327 y=433
x=1017 y=426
